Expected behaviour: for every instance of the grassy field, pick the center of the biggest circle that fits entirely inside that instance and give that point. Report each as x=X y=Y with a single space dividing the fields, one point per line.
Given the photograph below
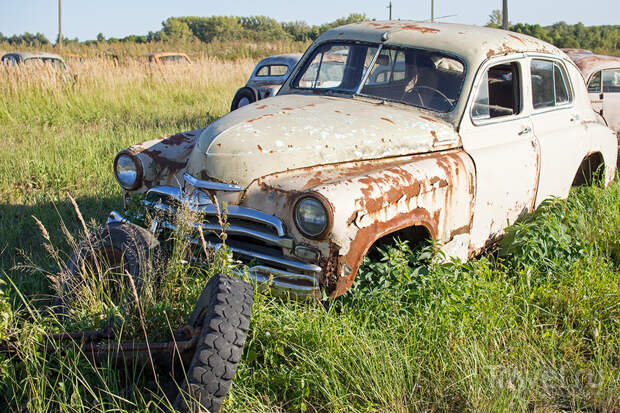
x=533 y=326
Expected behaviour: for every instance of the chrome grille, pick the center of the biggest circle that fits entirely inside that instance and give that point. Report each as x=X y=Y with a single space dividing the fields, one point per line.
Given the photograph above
x=252 y=237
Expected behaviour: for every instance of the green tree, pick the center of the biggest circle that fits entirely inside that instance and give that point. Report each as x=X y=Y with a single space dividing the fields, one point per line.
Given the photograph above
x=495 y=19
x=175 y=29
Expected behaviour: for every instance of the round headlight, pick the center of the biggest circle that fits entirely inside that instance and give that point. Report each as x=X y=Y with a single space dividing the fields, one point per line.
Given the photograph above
x=127 y=170
x=311 y=217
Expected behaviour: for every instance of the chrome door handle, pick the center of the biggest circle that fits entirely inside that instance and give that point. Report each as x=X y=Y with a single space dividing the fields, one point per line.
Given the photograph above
x=525 y=131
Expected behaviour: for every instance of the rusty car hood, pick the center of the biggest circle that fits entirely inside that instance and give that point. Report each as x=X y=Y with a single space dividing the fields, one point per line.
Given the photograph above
x=296 y=131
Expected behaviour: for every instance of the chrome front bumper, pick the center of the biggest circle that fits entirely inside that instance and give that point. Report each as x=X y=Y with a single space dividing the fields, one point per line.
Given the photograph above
x=280 y=273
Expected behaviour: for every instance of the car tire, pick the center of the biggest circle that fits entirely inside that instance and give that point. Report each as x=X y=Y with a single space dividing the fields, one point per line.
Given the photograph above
x=123 y=244
x=244 y=96
x=224 y=310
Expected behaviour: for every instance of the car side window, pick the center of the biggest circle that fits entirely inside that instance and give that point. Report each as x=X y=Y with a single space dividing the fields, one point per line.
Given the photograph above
x=594 y=85
x=272 y=70
x=499 y=93
x=263 y=71
x=611 y=81
x=549 y=84
x=278 y=70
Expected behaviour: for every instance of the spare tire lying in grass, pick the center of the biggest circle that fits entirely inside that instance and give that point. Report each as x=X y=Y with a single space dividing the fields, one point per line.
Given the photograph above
x=114 y=249
x=224 y=311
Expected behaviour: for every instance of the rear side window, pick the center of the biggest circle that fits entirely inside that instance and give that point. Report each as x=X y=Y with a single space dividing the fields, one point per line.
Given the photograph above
x=611 y=81
x=549 y=84
x=272 y=70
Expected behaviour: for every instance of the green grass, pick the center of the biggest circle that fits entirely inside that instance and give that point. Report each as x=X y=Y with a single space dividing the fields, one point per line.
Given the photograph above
x=532 y=326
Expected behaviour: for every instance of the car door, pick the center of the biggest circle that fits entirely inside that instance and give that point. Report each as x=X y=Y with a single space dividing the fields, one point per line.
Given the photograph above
x=611 y=98
x=496 y=132
x=557 y=126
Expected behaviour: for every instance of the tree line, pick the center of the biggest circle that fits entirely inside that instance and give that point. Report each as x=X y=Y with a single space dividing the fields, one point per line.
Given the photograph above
x=263 y=28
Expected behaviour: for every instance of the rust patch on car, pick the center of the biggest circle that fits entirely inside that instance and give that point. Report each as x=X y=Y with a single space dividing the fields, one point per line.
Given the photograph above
x=331 y=265
x=178 y=139
x=427 y=118
x=262 y=107
x=260 y=148
x=162 y=161
x=389 y=120
x=421 y=29
x=459 y=231
x=517 y=38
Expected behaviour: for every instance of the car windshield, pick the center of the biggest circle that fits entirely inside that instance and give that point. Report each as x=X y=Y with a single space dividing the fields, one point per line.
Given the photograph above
x=431 y=80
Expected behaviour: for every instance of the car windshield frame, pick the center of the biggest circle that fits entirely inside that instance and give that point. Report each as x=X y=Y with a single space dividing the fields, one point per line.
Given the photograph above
x=357 y=91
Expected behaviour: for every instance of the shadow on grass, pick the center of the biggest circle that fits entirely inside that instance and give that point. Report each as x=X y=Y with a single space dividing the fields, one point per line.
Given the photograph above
x=23 y=256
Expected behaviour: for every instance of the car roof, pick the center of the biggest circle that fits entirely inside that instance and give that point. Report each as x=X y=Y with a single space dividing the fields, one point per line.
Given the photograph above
x=290 y=59
x=30 y=55
x=475 y=44
x=591 y=63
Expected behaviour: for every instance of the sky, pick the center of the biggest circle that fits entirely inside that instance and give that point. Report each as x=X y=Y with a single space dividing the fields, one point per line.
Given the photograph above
x=118 y=18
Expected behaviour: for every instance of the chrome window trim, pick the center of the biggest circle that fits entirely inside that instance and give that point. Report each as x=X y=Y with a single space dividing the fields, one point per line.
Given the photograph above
x=518 y=59
x=216 y=186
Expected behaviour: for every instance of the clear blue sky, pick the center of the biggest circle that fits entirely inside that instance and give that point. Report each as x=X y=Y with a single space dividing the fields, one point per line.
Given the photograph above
x=119 y=18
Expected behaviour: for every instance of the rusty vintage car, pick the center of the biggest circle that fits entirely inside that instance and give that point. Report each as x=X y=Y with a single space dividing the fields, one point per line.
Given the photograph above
x=164 y=58
x=416 y=130
x=602 y=75
x=265 y=80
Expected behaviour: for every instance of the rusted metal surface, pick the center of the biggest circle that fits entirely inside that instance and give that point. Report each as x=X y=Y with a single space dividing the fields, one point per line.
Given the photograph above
x=370 y=199
x=164 y=159
x=301 y=131
x=99 y=346
x=378 y=167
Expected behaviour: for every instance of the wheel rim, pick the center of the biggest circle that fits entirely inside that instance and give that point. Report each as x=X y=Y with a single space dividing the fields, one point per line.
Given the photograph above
x=243 y=102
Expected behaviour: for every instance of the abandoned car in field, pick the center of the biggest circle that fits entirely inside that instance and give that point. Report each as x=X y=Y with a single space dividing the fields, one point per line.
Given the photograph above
x=602 y=75
x=417 y=130
x=266 y=79
x=34 y=58
x=164 y=58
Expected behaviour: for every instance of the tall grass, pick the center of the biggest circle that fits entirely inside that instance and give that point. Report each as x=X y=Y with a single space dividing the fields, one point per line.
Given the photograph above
x=127 y=51
x=535 y=326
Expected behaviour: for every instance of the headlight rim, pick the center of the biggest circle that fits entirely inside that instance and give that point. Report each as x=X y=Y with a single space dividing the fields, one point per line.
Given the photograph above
x=139 y=170
x=329 y=213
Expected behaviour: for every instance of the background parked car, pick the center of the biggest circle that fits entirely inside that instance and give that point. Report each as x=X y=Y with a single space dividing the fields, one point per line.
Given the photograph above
x=169 y=57
x=15 y=58
x=266 y=79
x=602 y=75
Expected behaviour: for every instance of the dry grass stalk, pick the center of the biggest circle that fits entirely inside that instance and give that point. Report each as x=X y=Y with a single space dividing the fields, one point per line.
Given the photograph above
x=134 y=292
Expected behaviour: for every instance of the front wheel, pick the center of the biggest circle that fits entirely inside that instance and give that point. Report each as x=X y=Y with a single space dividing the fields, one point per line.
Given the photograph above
x=110 y=255
x=243 y=97
x=224 y=310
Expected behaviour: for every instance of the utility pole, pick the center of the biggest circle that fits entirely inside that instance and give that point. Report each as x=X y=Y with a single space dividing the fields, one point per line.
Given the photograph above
x=390 y=7
x=59 y=24
x=505 y=15
x=433 y=10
